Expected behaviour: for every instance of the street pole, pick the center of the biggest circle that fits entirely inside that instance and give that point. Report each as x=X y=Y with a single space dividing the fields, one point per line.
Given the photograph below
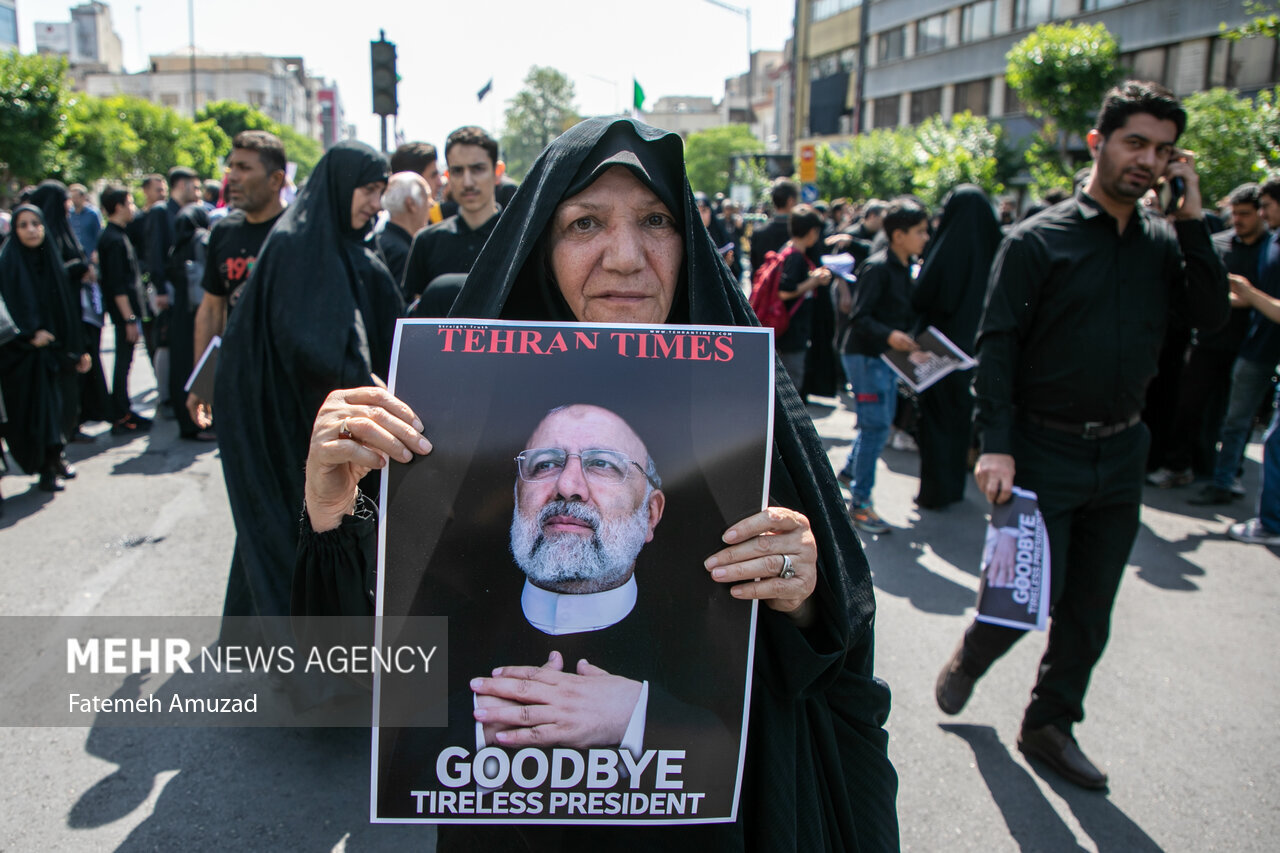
x=191 y=40
x=614 y=84
x=746 y=13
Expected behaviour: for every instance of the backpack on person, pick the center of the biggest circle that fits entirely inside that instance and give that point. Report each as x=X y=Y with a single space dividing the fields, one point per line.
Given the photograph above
x=765 y=298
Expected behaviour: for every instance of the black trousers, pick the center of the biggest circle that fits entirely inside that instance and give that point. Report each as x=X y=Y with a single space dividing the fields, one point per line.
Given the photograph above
x=120 y=403
x=1202 y=404
x=946 y=410
x=95 y=399
x=1090 y=491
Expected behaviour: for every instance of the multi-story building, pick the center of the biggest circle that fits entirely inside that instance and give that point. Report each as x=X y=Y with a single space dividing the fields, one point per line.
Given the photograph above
x=276 y=85
x=684 y=114
x=895 y=62
x=8 y=25
x=754 y=98
x=89 y=41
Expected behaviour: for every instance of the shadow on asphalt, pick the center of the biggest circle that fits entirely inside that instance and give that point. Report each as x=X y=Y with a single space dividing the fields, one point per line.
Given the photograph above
x=19 y=505
x=239 y=787
x=1160 y=563
x=252 y=789
x=1032 y=821
x=954 y=535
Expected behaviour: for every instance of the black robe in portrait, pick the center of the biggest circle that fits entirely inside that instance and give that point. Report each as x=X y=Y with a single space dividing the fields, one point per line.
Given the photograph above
x=949 y=295
x=317 y=313
x=33 y=286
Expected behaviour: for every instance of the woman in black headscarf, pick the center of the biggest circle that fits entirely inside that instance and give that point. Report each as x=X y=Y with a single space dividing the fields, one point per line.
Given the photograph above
x=34 y=288
x=51 y=197
x=949 y=296
x=184 y=270
x=317 y=313
x=817 y=775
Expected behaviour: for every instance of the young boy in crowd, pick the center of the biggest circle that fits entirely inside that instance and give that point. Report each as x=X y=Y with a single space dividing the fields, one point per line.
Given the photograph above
x=880 y=313
x=799 y=281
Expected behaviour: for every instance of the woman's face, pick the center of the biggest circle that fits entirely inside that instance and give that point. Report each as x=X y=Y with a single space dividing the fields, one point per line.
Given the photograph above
x=616 y=251
x=366 y=201
x=29 y=228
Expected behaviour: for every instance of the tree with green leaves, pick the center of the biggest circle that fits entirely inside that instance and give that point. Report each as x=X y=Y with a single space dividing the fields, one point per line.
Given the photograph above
x=964 y=149
x=1235 y=139
x=879 y=164
x=1060 y=73
x=709 y=155
x=536 y=116
x=33 y=93
x=98 y=143
x=1264 y=24
x=233 y=117
x=168 y=139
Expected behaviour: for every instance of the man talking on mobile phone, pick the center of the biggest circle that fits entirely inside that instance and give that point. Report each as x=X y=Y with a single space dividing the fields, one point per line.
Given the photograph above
x=1076 y=312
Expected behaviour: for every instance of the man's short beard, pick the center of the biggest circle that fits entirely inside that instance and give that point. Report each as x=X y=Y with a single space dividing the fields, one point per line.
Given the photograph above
x=570 y=562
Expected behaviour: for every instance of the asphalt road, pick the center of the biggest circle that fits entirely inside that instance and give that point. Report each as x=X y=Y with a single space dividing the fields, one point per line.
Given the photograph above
x=1181 y=711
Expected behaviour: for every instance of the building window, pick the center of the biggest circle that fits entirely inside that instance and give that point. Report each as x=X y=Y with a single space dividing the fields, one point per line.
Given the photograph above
x=925 y=103
x=1095 y=5
x=974 y=96
x=820 y=10
x=1028 y=13
x=8 y=25
x=168 y=99
x=886 y=114
x=1148 y=65
x=1012 y=103
x=849 y=59
x=824 y=66
x=931 y=33
x=891 y=44
x=1246 y=64
x=977 y=21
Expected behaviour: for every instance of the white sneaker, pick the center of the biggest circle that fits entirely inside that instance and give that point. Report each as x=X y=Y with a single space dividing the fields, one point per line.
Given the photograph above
x=1253 y=532
x=904 y=441
x=1163 y=478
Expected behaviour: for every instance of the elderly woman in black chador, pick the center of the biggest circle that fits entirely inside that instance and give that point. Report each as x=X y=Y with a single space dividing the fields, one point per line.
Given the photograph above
x=33 y=285
x=604 y=229
x=317 y=313
x=948 y=296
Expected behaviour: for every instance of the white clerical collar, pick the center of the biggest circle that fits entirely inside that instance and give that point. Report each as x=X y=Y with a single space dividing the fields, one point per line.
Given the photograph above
x=558 y=613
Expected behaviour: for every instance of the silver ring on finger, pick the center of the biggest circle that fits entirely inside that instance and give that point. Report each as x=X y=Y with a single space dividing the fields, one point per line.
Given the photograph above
x=344 y=432
x=788 y=570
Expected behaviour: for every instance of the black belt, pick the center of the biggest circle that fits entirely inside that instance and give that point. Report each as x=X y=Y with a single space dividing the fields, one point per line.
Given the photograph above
x=1088 y=429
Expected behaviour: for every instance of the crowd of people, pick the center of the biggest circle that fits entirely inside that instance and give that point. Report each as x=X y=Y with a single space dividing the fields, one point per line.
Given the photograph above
x=1071 y=312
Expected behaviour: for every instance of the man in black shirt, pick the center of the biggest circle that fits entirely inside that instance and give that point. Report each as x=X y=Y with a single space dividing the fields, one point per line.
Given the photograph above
x=122 y=293
x=255 y=174
x=1075 y=317
x=407 y=202
x=453 y=245
x=857 y=239
x=183 y=190
x=772 y=237
x=1205 y=381
x=1255 y=365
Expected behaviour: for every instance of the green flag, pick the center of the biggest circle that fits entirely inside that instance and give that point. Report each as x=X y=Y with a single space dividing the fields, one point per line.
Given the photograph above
x=638 y=100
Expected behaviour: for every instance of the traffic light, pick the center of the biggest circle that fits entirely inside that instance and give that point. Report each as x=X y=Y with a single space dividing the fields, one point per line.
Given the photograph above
x=382 y=54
